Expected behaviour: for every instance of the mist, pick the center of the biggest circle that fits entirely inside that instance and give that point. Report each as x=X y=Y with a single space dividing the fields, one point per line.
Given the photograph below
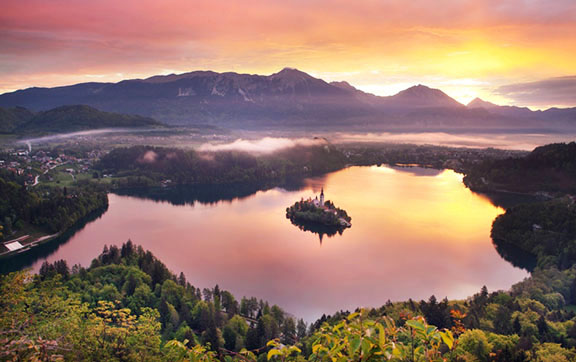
x=261 y=146
x=62 y=136
x=524 y=141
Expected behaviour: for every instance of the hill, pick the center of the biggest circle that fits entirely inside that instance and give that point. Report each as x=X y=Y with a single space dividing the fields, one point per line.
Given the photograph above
x=286 y=99
x=67 y=119
x=12 y=118
x=127 y=306
x=550 y=168
x=551 y=116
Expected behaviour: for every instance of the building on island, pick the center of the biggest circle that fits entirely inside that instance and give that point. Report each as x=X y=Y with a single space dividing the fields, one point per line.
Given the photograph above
x=318 y=202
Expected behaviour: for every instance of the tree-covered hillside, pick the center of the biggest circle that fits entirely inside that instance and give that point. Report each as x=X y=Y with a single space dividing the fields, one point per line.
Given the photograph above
x=12 y=118
x=146 y=165
x=67 y=119
x=48 y=210
x=547 y=230
x=550 y=168
x=127 y=306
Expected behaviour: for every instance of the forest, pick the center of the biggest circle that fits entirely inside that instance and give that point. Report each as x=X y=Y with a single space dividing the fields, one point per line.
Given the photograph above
x=127 y=306
x=550 y=168
x=546 y=230
x=147 y=166
x=45 y=209
x=70 y=118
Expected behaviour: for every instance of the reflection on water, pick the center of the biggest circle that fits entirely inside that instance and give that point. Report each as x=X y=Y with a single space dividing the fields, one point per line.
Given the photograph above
x=207 y=194
x=318 y=229
x=506 y=200
x=418 y=171
x=412 y=237
x=516 y=256
x=40 y=252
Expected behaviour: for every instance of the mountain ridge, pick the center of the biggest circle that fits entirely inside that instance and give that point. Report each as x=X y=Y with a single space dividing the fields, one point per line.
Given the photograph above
x=288 y=98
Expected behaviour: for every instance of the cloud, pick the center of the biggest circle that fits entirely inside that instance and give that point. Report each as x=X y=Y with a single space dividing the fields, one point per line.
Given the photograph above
x=59 y=42
x=261 y=146
x=559 y=91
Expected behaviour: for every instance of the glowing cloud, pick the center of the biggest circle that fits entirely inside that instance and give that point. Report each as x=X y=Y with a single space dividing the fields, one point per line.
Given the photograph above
x=467 y=48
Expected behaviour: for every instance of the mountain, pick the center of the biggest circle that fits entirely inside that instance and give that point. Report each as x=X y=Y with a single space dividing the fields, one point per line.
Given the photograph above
x=502 y=110
x=68 y=119
x=552 y=116
x=421 y=96
x=287 y=99
x=205 y=97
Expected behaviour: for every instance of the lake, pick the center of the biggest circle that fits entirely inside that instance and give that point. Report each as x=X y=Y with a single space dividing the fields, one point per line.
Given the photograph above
x=415 y=232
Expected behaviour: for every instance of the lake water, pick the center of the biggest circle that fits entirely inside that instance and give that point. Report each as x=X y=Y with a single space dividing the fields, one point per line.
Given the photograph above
x=415 y=232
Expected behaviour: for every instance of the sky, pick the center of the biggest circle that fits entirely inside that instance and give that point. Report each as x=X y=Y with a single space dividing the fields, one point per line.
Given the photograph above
x=514 y=52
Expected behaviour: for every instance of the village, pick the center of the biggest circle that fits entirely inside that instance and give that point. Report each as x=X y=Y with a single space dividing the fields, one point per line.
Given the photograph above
x=50 y=166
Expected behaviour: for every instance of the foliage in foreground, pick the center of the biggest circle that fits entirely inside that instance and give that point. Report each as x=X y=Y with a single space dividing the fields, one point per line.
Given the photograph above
x=43 y=320
x=82 y=316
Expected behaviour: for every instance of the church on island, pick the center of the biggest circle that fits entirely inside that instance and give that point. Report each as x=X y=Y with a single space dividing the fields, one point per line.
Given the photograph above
x=318 y=202
x=318 y=210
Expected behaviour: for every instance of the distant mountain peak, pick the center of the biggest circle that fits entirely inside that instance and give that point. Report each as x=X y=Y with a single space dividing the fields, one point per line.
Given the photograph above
x=424 y=96
x=479 y=103
x=421 y=89
x=291 y=73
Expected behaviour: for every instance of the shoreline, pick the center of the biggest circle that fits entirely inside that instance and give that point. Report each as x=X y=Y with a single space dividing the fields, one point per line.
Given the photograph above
x=26 y=247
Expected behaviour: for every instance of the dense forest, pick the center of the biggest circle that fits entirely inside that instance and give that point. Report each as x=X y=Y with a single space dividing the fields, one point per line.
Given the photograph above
x=459 y=159
x=550 y=168
x=48 y=210
x=127 y=306
x=146 y=165
x=546 y=230
x=63 y=119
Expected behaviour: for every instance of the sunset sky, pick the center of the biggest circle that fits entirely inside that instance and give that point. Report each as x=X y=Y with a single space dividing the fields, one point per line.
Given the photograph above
x=520 y=52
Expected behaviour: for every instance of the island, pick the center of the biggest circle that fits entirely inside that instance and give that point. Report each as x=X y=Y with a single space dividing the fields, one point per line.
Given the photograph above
x=313 y=213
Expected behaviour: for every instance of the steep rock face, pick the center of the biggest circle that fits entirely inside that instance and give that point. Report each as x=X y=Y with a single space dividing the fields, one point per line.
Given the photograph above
x=204 y=96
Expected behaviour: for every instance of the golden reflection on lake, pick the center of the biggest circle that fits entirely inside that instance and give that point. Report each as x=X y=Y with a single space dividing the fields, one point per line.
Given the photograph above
x=415 y=232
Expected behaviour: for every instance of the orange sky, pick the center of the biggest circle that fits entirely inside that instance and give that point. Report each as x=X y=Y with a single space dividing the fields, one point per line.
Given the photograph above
x=466 y=48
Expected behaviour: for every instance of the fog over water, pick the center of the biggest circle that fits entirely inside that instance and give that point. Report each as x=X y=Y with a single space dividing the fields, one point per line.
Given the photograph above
x=260 y=142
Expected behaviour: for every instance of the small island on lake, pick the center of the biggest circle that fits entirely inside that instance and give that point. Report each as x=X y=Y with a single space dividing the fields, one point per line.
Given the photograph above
x=319 y=213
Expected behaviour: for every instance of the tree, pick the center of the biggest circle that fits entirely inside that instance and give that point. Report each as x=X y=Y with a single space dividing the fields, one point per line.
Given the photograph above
x=301 y=329
x=182 y=279
x=474 y=341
